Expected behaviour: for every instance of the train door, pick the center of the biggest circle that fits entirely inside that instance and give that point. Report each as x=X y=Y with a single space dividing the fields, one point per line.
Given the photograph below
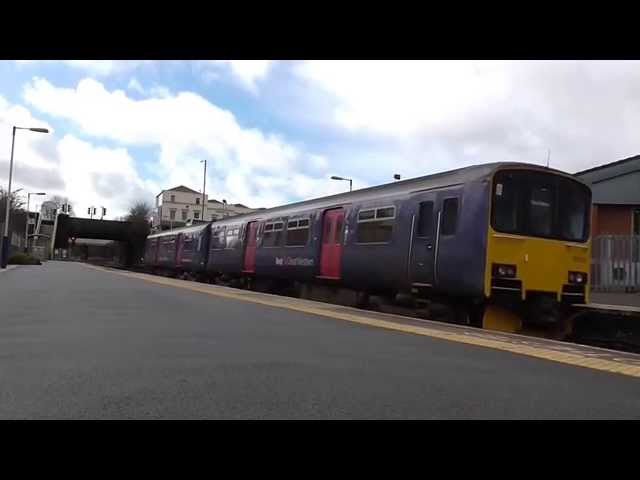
x=250 y=248
x=423 y=235
x=332 y=239
x=178 y=252
x=157 y=250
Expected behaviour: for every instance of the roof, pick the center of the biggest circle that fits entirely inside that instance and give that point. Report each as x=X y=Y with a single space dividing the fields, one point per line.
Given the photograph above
x=179 y=188
x=175 y=231
x=442 y=179
x=611 y=170
x=239 y=205
x=615 y=183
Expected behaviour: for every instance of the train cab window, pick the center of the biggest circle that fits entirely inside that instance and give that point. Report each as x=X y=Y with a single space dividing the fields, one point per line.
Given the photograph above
x=449 y=216
x=297 y=233
x=425 y=219
x=541 y=204
x=507 y=199
x=573 y=212
x=541 y=210
x=375 y=225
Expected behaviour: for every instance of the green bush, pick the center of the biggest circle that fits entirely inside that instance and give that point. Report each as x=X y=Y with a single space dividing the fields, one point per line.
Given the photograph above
x=23 y=259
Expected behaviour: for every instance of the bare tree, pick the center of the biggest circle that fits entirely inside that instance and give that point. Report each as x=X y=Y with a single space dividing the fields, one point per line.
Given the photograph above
x=16 y=203
x=58 y=200
x=140 y=212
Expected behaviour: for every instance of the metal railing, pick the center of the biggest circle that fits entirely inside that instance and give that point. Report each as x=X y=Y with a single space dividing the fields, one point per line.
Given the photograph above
x=615 y=263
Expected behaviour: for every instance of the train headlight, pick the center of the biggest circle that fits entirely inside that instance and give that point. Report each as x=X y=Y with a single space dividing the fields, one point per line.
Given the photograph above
x=578 y=278
x=504 y=271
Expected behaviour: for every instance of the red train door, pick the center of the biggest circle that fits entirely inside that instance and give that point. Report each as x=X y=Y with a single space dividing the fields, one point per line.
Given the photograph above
x=331 y=249
x=250 y=249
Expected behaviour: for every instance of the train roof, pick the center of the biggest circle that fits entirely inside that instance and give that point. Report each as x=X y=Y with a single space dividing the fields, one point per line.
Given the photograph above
x=175 y=231
x=437 y=180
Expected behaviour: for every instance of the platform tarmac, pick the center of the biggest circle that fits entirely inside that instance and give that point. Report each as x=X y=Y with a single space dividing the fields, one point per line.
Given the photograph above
x=79 y=341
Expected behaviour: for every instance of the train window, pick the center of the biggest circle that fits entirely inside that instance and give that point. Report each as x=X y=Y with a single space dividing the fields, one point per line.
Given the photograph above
x=541 y=210
x=233 y=237
x=218 y=239
x=449 y=216
x=366 y=215
x=297 y=236
x=272 y=234
x=326 y=232
x=386 y=212
x=425 y=219
x=297 y=233
x=375 y=230
x=339 y=230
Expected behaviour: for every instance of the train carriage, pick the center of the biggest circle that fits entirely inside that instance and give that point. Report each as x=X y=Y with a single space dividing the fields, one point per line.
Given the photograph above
x=180 y=250
x=509 y=234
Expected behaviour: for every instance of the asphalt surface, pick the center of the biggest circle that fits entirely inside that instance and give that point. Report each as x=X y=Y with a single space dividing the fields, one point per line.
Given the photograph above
x=77 y=343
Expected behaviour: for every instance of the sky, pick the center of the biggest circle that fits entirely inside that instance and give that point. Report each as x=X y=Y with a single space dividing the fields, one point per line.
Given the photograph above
x=273 y=132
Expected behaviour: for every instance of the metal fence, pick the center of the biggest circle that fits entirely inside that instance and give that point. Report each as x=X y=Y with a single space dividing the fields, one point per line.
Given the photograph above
x=615 y=263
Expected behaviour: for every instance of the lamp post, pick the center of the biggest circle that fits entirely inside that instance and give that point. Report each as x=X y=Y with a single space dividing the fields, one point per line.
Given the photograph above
x=5 y=237
x=26 y=227
x=204 y=186
x=334 y=177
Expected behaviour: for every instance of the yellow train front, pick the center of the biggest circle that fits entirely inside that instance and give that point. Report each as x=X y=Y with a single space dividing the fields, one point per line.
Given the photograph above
x=538 y=248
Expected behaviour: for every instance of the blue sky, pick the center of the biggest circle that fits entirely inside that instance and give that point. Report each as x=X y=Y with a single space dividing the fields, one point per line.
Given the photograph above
x=273 y=132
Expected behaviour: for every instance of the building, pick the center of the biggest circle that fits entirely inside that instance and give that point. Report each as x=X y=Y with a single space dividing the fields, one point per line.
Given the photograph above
x=616 y=197
x=180 y=206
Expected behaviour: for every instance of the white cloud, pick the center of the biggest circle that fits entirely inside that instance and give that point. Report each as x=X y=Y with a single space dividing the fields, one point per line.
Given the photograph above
x=69 y=167
x=244 y=165
x=450 y=113
x=101 y=176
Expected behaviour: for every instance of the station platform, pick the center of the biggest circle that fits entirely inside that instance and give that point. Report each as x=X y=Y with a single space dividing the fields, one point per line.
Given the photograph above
x=81 y=342
x=558 y=351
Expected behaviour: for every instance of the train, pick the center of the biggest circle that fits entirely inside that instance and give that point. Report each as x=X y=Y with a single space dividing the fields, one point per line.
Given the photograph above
x=498 y=245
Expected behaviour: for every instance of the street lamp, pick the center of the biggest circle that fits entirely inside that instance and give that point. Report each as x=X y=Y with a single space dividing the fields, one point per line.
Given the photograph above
x=5 y=237
x=334 y=177
x=26 y=227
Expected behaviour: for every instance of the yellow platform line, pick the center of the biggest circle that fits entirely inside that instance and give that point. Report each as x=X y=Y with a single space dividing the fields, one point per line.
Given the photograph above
x=306 y=306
